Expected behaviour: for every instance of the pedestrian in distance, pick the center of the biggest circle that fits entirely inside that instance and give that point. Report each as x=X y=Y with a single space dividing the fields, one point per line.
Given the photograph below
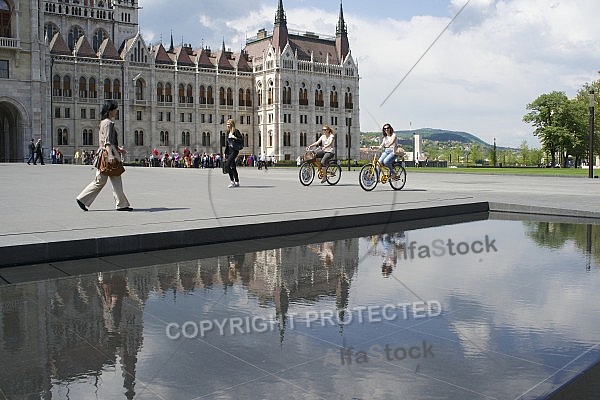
x=262 y=162
x=31 y=152
x=107 y=137
x=235 y=142
x=39 y=154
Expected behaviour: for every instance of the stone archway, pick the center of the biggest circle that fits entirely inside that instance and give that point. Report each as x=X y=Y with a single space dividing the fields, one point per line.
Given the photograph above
x=11 y=133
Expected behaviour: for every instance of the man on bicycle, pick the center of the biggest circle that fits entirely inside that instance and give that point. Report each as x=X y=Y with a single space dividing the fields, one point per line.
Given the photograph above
x=326 y=141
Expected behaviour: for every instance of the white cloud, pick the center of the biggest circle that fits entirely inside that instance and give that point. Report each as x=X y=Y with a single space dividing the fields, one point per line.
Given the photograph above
x=497 y=56
x=479 y=77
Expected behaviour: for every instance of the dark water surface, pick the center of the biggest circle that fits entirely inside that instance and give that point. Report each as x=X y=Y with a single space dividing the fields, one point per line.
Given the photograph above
x=491 y=309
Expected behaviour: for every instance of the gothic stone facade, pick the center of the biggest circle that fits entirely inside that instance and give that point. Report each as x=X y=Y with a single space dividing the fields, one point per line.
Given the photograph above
x=60 y=59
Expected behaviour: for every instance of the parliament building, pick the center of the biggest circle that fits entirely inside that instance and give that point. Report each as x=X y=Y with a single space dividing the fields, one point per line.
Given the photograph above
x=61 y=59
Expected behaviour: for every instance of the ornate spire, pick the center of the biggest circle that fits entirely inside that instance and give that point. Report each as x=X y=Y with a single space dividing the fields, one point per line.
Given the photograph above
x=171 y=48
x=280 y=32
x=341 y=37
x=341 y=25
x=280 y=16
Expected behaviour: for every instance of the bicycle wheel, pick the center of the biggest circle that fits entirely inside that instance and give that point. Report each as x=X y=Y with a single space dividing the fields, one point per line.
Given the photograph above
x=368 y=177
x=399 y=181
x=334 y=173
x=307 y=173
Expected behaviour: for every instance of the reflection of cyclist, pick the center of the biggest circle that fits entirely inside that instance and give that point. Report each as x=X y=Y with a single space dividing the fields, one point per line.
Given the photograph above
x=325 y=252
x=387 y=145
x=392 y=245
x=326 y=141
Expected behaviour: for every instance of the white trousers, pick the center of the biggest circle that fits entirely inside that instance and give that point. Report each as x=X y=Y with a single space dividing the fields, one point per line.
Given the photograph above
x=89 y=194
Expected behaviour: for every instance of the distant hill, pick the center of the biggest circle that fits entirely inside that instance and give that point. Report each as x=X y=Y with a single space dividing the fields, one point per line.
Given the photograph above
x=442 y=135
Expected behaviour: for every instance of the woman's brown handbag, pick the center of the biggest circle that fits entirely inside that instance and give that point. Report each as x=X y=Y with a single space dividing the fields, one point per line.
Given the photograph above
x=399 y=151
x=110 y=163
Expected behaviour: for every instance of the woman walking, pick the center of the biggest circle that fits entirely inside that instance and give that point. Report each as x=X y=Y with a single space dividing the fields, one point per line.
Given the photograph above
x=107 y=137
x=235 y=141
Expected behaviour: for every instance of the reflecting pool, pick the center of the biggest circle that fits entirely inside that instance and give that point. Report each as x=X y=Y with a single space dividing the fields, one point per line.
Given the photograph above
x=486 y=309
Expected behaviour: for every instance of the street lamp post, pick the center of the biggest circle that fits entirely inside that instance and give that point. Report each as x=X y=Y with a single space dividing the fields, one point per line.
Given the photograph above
x=591 y=136
x=124 y=95
x=349 y=122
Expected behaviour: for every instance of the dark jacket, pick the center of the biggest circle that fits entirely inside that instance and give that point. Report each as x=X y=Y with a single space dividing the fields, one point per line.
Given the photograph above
x=234 y=145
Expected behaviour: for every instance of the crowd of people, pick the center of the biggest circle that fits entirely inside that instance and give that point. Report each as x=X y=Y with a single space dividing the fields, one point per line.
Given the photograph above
x=195 y=159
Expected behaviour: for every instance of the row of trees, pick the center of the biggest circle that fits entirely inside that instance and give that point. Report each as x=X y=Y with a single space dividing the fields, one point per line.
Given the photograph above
x=478 y=154
x=562 y=124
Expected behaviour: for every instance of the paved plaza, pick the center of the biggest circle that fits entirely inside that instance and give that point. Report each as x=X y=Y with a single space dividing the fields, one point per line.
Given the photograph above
x=187 y=207
x=90 y=299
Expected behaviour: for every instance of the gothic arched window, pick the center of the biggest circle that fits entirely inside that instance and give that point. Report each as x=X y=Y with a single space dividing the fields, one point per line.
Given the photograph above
x=5 y=13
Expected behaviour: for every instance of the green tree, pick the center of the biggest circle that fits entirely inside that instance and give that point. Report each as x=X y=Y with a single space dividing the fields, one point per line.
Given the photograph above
x=524 y=153
x=549 y=114
x=476 y=153
x=535 y=156
x=582 y=97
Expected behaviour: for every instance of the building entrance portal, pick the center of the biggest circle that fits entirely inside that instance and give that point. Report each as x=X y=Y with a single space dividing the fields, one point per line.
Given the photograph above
x=11 y=134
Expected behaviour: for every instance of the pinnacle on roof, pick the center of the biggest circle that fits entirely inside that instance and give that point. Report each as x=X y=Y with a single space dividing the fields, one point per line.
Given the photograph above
x=280 y=16
x=341 y=25
x=280 y=31
x=341 y=37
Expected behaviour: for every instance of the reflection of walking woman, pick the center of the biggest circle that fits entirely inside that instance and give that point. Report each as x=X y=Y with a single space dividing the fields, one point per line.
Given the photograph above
x=107 y=136
x=234 y=139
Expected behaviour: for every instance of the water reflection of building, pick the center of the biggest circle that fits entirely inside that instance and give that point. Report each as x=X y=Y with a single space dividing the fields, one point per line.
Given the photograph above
x=71 y=328
x=287 y=275
x=80 y=327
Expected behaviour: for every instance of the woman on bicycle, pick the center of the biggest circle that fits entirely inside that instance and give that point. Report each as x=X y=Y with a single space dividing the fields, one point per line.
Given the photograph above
x=388 y=144
x=326 y=141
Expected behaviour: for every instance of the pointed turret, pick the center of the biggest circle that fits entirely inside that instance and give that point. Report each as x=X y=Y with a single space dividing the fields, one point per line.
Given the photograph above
x=280 y=31
x=171 y=48
x=341 y=37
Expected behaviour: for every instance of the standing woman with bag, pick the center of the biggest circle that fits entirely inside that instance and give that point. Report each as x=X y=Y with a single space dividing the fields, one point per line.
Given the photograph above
x=107 y=141
x=235 y=142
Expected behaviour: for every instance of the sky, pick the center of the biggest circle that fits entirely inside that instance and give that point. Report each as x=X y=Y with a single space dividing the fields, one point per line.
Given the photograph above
x=463 y=65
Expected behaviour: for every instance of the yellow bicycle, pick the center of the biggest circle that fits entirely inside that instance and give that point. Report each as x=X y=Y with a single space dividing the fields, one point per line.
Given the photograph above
x=312 y=163
x=376 y=172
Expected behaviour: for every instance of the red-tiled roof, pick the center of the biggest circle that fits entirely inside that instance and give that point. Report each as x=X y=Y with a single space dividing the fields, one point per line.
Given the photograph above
x=126 y=45
x=223 y=62
x=204 y=59
x=256 y=49
x=162 y=57
x=182 y=56
x=242 y=63
x=320 y=48
x=302 y=45
x=58 y=45
x=107 y=50
x=83 y=48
